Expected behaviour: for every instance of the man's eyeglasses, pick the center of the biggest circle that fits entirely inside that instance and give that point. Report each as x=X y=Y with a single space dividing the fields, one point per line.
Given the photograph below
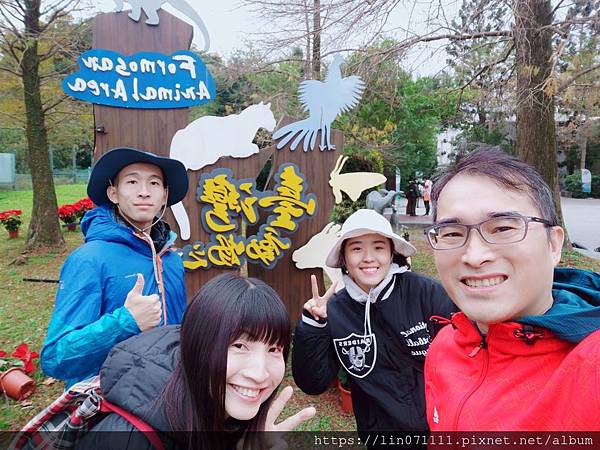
x=499 y=230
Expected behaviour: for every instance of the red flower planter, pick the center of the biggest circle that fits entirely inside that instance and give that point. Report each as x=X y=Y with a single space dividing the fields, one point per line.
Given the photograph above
x=71 y=226
x=13 y=234
x=346 y=398
x=17 y=384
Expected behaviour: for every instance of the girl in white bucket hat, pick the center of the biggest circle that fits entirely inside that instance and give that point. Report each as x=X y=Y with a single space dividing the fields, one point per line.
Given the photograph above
x=377 y=328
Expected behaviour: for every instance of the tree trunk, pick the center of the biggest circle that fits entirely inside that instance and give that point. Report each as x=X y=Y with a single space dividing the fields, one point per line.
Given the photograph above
x=44 y=228
x=536 y=128
x=316 y=49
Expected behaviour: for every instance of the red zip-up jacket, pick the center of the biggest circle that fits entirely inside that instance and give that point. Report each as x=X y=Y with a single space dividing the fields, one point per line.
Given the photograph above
x=517 y=378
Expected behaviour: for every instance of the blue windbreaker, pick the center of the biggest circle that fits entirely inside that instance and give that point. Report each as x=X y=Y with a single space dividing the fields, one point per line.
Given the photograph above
x=89 y=317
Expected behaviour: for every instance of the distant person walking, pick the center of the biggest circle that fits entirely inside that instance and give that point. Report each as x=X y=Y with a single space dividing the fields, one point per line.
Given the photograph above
x=412 y=193
x=427 y=184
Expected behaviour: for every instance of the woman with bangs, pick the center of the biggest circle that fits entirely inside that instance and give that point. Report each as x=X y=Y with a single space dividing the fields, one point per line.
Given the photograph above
x=209 y=383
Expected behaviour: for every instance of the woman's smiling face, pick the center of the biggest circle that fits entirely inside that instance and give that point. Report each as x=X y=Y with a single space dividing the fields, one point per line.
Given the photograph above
x=368 y=259
x=254 y=370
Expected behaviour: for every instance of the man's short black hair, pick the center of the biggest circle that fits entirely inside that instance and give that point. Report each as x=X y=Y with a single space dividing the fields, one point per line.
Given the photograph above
x=506 y=171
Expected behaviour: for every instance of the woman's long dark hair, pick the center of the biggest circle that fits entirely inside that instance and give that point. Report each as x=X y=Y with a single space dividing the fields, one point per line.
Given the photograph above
x=225 y=308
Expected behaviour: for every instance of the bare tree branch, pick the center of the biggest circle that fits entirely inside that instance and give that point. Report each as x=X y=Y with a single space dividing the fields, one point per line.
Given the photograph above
x=55 y=103
x=564 y=85
x=10 y=70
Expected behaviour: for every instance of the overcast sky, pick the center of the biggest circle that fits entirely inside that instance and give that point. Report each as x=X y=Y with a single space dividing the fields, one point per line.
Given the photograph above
x=229 y=25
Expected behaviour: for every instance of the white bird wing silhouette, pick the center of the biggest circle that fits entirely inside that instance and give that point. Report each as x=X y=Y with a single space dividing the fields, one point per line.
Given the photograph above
x=328 y=100
x=309 y=91
x=324 y=101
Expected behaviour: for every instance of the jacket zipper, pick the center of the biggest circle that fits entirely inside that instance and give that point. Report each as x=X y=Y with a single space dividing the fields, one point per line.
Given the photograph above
x=482 y=346
x=439 y=320
x=157 y=266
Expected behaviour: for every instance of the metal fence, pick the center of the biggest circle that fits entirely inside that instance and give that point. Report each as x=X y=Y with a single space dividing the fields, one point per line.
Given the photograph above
x=62 y=176
x=67 y=171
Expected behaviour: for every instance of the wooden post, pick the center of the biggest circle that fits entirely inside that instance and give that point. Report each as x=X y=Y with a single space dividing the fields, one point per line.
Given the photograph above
x=292 y=284
x=145 y=129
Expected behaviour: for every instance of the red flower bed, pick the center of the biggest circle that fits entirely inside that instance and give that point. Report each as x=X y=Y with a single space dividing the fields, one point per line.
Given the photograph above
x=82 y=206
x=67 y=213
x=70 y=213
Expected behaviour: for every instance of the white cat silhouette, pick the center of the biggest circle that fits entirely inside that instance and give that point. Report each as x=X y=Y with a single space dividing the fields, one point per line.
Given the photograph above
x=208 y=138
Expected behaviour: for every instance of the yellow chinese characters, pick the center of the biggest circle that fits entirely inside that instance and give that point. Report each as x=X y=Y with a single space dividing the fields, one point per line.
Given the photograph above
x=289 y=200
x=227 y=200
x=222 y=196
x=226 y=252
x=267 y=249
x=195 y=256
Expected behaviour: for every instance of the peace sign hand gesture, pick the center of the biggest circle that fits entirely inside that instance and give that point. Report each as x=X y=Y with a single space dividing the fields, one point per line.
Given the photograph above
x=291 y=422
x=274 y=439
x=317 y=305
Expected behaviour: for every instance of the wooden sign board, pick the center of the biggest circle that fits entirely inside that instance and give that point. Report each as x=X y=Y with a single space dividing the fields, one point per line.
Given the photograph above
x=292 y=284
x=152 y=130
x=146 y=129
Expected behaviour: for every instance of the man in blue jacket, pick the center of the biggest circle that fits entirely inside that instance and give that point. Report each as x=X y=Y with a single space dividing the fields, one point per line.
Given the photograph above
x=125 y=278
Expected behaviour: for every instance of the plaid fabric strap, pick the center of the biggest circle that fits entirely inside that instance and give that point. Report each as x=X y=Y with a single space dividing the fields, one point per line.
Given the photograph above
x=48 y=429
x=58 y=424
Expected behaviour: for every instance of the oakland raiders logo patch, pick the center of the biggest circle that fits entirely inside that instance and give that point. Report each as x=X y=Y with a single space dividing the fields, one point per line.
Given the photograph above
x=357 y=353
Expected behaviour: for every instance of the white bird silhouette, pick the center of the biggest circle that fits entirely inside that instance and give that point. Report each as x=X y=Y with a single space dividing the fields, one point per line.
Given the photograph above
x=324 y=101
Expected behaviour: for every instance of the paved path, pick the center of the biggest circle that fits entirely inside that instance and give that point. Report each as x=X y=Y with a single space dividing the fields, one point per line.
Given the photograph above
x=582 y=219
x=419 y=219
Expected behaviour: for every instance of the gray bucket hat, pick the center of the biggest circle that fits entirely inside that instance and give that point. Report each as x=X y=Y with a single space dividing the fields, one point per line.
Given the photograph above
x=110 y=164
x=366 y=221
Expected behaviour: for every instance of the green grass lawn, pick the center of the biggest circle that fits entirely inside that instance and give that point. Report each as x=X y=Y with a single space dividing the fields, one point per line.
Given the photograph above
x=68 y=193
x=25 y=309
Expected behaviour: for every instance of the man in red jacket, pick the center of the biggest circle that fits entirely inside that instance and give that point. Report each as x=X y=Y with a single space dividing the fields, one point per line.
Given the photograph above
x=524 y=353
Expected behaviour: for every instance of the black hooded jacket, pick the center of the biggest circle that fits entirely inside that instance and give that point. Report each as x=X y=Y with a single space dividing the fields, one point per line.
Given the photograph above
x=386 y=363
x=133 y=378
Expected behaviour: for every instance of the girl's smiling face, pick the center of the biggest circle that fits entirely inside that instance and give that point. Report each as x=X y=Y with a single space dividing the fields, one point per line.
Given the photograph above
x=254 y=370
x=368 y=259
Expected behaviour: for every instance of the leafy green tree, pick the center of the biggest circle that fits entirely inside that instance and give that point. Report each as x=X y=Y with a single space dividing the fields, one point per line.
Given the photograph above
x=243 y=80
x=578 y=94
x=31 y=39
x=398 y=116
x=482 y=70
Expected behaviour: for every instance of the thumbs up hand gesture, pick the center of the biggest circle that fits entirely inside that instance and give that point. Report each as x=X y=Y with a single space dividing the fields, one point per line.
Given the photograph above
x=145 y=309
